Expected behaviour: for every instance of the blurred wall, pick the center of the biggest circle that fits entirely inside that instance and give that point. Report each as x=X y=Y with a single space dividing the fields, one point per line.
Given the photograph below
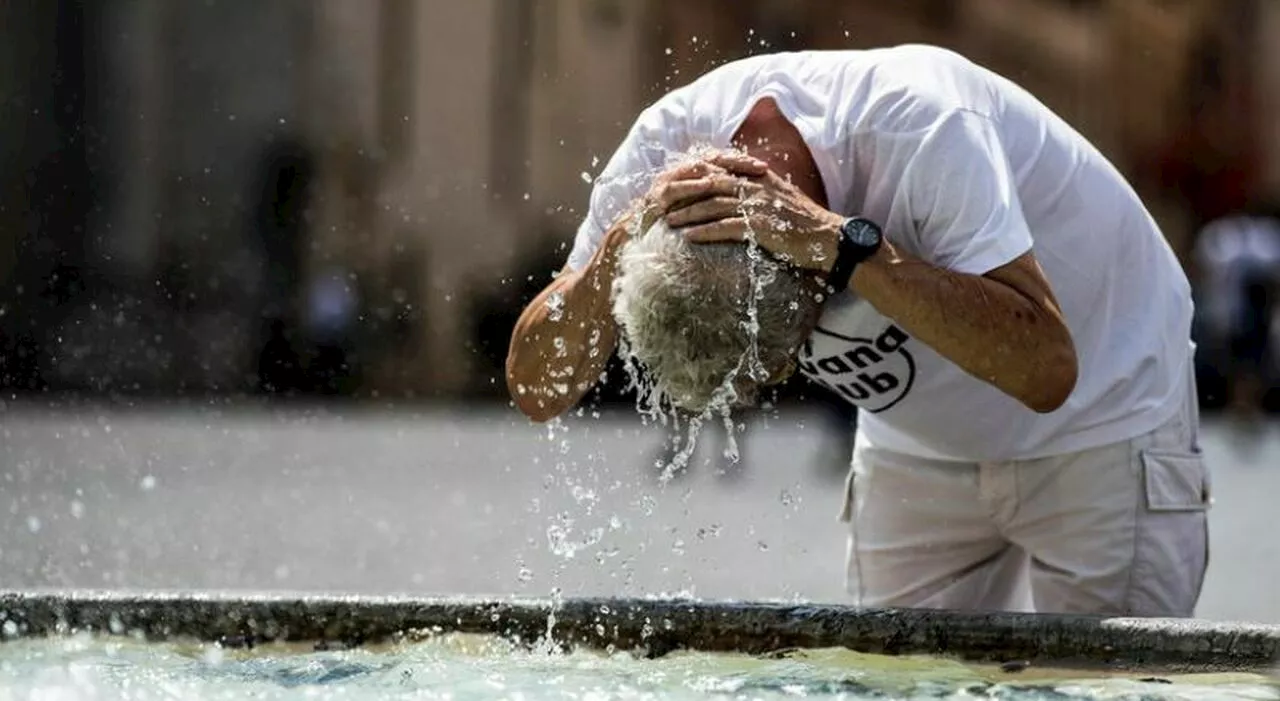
x=1268 y=90
x=49 y=146
x=483 y=116
x=366 y=191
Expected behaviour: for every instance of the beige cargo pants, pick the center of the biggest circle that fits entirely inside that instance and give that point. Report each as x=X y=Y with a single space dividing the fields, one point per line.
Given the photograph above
x=1116 y=530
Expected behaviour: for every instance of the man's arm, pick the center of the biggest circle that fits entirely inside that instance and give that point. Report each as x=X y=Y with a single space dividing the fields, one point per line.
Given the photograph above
x=1003 y=327
x=564 y=338
x=974 y=292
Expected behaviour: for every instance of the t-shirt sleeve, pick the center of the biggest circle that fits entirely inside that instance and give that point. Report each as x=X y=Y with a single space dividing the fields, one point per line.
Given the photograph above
x=962 y=195
x=625 y=178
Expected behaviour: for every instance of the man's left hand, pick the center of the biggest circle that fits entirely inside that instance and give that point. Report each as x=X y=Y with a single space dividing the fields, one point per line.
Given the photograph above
x=773 y=211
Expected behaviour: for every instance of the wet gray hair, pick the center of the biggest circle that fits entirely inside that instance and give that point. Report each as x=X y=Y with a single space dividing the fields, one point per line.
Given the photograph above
x=710 y=323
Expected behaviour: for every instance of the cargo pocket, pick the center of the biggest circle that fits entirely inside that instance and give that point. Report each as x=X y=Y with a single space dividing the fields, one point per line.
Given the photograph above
x=1171 y=548
x=1175 y=481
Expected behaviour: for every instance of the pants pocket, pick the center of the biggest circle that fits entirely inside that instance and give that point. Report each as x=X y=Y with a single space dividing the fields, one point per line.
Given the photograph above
x=1171 y=548
x=1175 y=481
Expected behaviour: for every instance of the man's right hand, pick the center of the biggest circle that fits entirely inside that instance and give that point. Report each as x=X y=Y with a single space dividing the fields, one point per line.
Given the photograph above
x=723 y=175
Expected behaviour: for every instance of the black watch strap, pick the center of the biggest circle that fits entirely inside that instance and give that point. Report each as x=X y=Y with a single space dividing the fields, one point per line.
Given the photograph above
x=859 y=240
x=842 y=269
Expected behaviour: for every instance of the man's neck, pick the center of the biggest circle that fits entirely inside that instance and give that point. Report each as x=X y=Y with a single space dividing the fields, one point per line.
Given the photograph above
x=766 y=134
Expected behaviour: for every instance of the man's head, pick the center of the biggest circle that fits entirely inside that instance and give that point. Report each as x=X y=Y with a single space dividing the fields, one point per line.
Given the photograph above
x=711 y=323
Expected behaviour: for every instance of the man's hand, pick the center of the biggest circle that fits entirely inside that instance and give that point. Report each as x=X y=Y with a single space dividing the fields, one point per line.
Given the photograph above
x=737 y=206
x=720 y=176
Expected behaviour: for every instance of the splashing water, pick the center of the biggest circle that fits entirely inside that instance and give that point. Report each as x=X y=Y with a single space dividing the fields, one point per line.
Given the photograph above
x=761 y=276
x=462 y=667
x=555 y=306
x=562 y=542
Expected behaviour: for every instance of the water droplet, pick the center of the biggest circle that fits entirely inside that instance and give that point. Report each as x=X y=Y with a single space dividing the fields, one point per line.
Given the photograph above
x=148 y=483
x=77 y=508
x=33 y=524
x=582 y=494
x=555 y=306
x=213 y=655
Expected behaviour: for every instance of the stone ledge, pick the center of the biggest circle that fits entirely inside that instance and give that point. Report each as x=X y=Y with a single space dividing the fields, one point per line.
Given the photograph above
x=651 y=626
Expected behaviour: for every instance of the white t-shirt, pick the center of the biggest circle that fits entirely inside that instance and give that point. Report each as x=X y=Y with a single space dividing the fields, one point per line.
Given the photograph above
x=968 y=171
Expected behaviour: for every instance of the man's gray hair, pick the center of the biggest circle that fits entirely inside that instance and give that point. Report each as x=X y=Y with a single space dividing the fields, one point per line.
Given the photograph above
x=710 y=323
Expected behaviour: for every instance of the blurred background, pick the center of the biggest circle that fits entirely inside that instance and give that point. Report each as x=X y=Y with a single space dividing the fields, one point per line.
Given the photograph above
x=343 y=205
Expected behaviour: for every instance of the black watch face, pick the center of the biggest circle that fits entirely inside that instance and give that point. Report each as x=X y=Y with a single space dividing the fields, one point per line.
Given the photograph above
x=862 y=232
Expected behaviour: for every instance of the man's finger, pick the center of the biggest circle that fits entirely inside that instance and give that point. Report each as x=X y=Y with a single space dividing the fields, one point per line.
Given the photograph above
x=732 y=229
x=689 y=170
x=704 y=211
x=680 y=193
x=740 y=164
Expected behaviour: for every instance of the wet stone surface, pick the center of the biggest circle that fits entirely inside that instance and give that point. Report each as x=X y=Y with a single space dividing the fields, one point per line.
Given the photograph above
x=655 y=628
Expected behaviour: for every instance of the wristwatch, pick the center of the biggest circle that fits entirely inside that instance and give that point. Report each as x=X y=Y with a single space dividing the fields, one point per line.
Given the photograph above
x=860 y=238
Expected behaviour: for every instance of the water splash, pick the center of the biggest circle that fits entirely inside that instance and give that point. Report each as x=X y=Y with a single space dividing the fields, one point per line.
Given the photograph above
x=561 y=540
x=555 y=305
x=456 y=666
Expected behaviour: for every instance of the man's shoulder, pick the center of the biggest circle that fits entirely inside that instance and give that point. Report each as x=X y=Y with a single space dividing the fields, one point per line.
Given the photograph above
x=916 y=88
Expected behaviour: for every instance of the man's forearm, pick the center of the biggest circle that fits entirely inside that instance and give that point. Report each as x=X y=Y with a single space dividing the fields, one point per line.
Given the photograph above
x=564 y=338
x=989 y=329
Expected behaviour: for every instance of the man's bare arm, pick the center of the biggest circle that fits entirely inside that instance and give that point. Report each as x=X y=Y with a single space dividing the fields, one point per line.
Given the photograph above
x=563 y=339
x=1004 y=327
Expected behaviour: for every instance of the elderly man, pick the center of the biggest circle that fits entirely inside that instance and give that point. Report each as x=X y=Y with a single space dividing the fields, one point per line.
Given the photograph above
x=1006 y=315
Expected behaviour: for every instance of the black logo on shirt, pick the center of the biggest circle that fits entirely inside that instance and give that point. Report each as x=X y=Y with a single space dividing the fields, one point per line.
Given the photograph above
x=872 y=373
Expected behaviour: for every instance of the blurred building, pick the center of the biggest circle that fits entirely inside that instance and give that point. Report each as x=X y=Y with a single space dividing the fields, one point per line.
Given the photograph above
x=375 y=186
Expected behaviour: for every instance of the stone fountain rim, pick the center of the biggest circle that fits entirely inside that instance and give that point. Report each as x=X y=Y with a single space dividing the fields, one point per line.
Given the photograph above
x=651 y=626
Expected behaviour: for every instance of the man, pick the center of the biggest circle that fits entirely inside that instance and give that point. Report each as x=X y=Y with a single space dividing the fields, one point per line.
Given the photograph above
x=1007 y=317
